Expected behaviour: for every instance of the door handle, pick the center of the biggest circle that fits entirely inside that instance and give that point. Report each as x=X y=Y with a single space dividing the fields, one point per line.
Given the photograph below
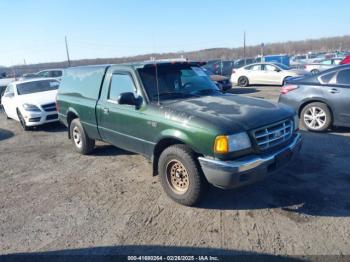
x=334 y=91
x=106 y=110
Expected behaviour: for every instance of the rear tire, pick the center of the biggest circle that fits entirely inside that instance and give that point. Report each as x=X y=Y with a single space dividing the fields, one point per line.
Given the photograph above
x=315 y=71
x=82 y=143
x=243 y=81
x=316 y=117
x=7 y=117
x=181 y=175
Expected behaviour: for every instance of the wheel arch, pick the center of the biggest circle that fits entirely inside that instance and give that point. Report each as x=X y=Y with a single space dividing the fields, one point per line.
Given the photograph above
x=164 y=143
x=315 y=100
x=18 y=110
x=71 y=115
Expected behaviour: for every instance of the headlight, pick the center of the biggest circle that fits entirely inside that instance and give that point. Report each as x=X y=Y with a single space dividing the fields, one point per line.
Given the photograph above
x=236 y=142
x=30 y=107
x=296 y=122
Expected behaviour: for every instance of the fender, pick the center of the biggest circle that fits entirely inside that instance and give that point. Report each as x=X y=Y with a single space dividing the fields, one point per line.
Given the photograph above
x=312 y=99
x=176 y=135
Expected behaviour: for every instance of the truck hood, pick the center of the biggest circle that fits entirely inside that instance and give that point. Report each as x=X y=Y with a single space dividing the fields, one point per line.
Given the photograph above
x=40 y=98
x=227 y=113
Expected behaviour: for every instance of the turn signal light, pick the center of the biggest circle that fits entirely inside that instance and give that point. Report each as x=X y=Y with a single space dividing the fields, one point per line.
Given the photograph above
x=221 y=145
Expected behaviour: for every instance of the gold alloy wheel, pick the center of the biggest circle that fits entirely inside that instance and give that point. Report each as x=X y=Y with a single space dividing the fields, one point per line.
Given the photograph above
x=77 y=137
x=177 y=177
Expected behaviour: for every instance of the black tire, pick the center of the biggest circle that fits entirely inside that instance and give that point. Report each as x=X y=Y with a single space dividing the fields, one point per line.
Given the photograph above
x=22 y=121
x=82 y=143
x=243 y=81
x=306 y=117
x=315 y=71
x=7 y=117
x=197 y=184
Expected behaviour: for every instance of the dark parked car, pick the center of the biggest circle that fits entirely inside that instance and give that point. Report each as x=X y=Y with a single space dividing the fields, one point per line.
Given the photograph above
x=242 y=62
x=211 y=65
x=321 y=100
x=173 y=114
x=220 y=67
x=222 y=82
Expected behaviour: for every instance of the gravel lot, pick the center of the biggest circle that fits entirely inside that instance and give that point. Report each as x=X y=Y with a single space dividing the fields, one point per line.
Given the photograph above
x=53 y=199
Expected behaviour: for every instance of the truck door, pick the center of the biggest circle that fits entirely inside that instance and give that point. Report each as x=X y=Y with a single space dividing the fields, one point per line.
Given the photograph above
x=119 y=124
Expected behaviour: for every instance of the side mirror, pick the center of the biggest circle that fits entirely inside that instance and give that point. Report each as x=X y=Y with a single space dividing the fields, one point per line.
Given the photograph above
x=278 y=70
x=129 y=98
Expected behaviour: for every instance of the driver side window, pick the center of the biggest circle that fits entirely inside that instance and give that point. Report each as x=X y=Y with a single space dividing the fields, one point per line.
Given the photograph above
x=120 y=83
x=326 y=62
x=343 y=77
x=256 y=68
x=44 y=74
x=270 y=68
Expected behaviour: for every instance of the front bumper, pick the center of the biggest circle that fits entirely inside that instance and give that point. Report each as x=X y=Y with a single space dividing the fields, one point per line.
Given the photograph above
x=39 y=118
x=248 y=169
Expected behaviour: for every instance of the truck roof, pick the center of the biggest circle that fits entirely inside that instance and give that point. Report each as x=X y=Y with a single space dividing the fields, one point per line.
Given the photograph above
x=143 y=64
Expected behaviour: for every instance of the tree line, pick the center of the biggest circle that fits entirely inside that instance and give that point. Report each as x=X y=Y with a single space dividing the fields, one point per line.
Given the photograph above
x=328 y=44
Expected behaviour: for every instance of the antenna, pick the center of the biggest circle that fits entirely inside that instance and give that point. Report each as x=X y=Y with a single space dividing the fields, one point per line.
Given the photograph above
x=156 y=69
x=245 y=61
x=65 y=38
x=157 y=82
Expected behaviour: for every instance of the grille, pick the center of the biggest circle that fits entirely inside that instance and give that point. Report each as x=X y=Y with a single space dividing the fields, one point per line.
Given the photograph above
x=51 y=117
x=34 y=119
x=49 y=107
x=274 y=134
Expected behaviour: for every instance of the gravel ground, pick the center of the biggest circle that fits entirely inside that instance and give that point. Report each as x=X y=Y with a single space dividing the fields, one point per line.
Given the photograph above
x=53 y=199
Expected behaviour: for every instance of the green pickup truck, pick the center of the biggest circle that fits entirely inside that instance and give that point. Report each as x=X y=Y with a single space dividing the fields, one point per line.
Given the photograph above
x=173 y=114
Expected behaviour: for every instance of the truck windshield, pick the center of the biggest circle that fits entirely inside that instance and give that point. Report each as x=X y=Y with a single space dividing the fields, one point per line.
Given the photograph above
x=37 y=86
x=176 y=81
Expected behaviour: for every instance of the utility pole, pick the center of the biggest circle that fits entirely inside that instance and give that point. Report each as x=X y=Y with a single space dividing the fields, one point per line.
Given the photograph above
x=244 y=48
x=65 y=38
x=262 y=50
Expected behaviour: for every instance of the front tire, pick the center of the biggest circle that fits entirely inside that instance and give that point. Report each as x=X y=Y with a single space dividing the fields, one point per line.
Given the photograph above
x=181 y=176
x=22 y=121
x=7 y=117
x=82 y=143
x=243 y=81
x=316 y=117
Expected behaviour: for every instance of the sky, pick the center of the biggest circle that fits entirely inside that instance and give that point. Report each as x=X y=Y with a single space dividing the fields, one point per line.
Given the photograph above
x=33 y=31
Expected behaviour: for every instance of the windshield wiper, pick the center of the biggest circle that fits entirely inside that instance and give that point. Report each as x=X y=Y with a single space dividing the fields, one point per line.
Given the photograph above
x=205 y=91
x=172 y=95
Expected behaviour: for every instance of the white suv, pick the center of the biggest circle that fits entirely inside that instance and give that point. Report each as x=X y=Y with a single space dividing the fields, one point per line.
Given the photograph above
x=31 y=102
x=51 y=73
